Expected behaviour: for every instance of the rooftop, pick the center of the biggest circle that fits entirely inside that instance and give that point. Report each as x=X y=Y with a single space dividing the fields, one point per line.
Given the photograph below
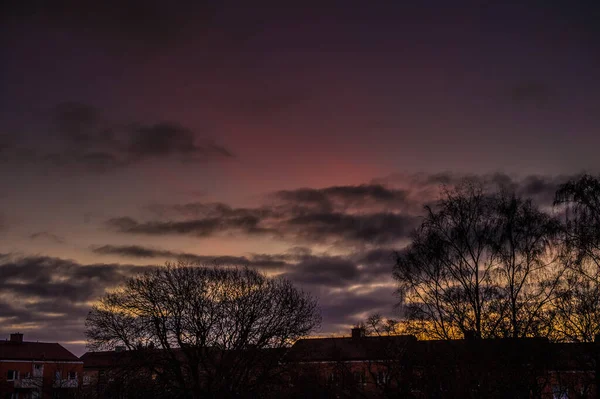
x=17 y=349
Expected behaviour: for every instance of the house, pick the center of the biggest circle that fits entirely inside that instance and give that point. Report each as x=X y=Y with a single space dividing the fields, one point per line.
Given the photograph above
x=355 y=366
x=402 y=366
x=368 y=367
x=150 y=372
x=121 y=373
x=37 y=369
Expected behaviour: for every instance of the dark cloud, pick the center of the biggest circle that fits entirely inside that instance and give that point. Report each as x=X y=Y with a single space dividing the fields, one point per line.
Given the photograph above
x=323 y=271
x=133 y=251
x=81 y=138
x=335 y=227
x=259 y=261
x=207 y=210
x=327 y=271
x=300 y=266
x=200 y=227
x=51 y=278
x=377 y=259
x=341 y=309
x=336 y=197
x=373 y=214
x=49 y=297
x=199 y=219
x=45 y=235
x=375 y=228
x=165 y=139
x=540 y=188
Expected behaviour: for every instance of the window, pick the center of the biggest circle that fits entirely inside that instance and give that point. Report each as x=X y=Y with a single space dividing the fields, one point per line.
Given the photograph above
x=559 y=392
x=57 y=375
x=87 y=380
x=72 y=375
x=331 y=378
x=382 y=378
x=12 y=375
x=359 y=377
x=38 y=370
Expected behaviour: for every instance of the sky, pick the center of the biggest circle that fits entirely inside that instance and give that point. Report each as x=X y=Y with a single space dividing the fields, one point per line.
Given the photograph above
x=302 y=139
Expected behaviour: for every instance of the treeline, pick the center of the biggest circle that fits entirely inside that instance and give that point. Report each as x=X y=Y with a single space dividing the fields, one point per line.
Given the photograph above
x=491 y=263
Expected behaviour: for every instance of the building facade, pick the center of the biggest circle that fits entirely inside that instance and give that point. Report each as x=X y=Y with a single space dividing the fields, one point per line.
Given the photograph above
x=394 y=366
x=402 y=366
x=38 y=370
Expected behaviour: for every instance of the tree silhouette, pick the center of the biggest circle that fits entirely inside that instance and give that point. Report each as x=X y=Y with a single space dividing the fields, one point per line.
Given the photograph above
x=577 y=308
x=529 y=270
x=581 y=200
x=485 y=262
x=205 y=331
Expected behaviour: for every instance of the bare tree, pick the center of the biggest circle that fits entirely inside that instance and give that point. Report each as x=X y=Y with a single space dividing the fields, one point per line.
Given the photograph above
x=378 y=325
x=581 y=200
x=577 y=309
x=529 y=271
x=445 y=275
x=482 y=261
x=204 y=330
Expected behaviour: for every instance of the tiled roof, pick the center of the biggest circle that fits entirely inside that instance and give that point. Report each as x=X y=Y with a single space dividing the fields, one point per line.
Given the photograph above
x=111 y=359
x=348 y=349
x=531 y=351
x=35 y=351
x=103 y=359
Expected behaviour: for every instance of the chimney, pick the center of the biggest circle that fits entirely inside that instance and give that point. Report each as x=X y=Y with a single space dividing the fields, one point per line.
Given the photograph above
x=119 y=348
x=16 y=337
x=358 y=332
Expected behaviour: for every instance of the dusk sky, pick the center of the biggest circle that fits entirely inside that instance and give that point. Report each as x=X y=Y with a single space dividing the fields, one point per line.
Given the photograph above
x=301 y=140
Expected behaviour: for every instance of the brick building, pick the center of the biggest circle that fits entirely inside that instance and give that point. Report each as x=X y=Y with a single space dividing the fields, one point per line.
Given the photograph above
x=362 y=366
x=114 y=374
x=402 y=366
x=37 y=370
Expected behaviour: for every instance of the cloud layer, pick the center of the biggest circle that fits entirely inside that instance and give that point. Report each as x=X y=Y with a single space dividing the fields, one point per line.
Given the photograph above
x=48 y=298
x=367 y=214
x=81 y=138
x=384 y=212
